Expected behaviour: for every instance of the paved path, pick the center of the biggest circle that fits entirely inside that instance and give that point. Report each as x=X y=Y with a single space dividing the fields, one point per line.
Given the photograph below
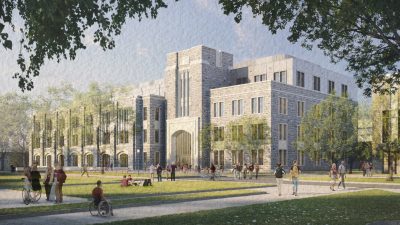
x=13 y=199
x=174 y=208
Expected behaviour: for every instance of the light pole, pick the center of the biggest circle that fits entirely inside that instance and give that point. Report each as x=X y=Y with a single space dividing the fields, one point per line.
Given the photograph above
x=137 y=160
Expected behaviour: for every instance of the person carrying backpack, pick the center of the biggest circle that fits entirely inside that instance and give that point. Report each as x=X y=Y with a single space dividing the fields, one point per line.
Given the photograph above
x=279 y=172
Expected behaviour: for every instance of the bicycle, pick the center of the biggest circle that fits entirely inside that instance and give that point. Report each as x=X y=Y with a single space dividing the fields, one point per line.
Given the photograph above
x=103 y=208
x=28 y=194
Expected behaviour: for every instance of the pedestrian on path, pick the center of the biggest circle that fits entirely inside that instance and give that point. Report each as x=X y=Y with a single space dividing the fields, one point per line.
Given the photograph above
x=251 y=169
x=342 y=175
x=48 y=181
x=152 y=169
x=333 y=176
x=294 y=174
x=279 y=172
x=370 y=169
x=212 y=168
x=61 y=178
x=257 y=170
x=173 y=170
x=159 y=172
x=85 y=170
x=245 y=171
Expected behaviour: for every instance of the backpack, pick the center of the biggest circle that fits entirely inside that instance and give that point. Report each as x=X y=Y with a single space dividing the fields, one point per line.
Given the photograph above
x=61 y=177
x=279 y=172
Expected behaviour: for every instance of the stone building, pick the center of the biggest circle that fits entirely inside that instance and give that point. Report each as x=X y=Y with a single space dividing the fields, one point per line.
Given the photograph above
x=201 y=88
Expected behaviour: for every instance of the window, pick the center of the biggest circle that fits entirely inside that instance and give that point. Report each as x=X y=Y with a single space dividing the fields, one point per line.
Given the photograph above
x=234 y=133
x=253 y=105
x=157 y=158
x=317 y=83
x=283 y=157
x=145 y=158
x=283 y=106
x=258 y=131
x=123 y=136
x=37 y=160
x=221 y=109
x=260 y=104
x=74 y=160
x=234 y=107
x=300 y=134
x=280 y=76
x=300 y=109
x=300 y=158
x=156 y=136
x=282 y=132
x=145 y=113
x=215 y=109
x=300 y=79
x=242 y=80
x=261 y=77
x=257 y=105
x=157 y=114
x=145 y=135
x=240 y=133
x=331 y=87
x=344 y=90
x=240 y=107
x=75 y=140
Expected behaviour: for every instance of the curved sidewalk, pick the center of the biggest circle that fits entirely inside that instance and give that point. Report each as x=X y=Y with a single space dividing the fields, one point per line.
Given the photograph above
x=175 y=208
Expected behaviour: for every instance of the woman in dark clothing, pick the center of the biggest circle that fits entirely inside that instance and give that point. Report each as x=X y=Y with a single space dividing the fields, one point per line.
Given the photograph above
x=159 y=172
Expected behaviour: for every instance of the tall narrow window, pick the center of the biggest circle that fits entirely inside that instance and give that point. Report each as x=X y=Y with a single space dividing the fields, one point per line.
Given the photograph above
x=215 y=109
x=299 y=133
x=283 y=106
x=253 y=105
x=317 y=83
x=300 y=108
x=344 y=90
x=157 y=114
x=283 y=157
x=240 y=107
x=282 y=132
x=300 y=79
x=331 y=87
x=221 y=109
x=260 y=104
x=300 y=158
x=145 y=135
x=156 y=136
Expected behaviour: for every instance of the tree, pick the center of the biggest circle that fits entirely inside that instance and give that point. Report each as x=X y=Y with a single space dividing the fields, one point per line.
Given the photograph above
x=15 y=127
x=55 y=30
x=365 y=34
x=329 y=129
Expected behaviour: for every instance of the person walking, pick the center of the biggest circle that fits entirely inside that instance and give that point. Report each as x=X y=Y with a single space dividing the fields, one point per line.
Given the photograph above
x=279 y=172
x=212 y=168
x=363 y=168
x=257 y=167
x=151 y=170
x=251 y=169
x=61 y=178
x=85 y=170
x=159 y=173
x=245 y=171
x=370 y=169
x=48 y=181
x=35 y=178
x=342 y=175
x=294 y=174
x=239 y=169
x=173 y=170
x=333 y=176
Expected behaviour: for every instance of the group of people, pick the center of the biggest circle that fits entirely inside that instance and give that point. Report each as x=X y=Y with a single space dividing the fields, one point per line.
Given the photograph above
x=366 y=168
x=53 y=181
x=294 y=175
x=240 y=171
x=337 y=173
x=170 y=171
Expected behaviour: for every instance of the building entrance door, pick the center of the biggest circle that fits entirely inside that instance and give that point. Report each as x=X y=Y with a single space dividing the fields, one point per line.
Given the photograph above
x=183 y=148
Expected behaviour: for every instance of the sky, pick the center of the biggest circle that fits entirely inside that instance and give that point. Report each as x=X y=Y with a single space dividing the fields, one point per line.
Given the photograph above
x=140 y=52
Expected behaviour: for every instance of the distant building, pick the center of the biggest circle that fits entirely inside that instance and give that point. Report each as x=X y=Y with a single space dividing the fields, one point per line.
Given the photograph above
x=161 y=121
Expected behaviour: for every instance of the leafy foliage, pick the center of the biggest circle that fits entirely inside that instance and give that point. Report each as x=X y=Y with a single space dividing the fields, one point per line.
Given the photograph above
x=55 y=29
x=330 y=128
x=365 y=34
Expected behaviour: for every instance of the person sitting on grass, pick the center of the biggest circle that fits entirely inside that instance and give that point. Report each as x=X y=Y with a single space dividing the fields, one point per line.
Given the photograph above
x=130 y=180
x=124 y=181
x=98 y=196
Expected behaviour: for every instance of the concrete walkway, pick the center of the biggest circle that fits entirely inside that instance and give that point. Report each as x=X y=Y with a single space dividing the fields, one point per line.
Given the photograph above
x=13 y=199
x=175 y=208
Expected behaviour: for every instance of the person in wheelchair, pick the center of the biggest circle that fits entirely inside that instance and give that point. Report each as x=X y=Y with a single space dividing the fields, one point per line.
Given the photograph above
x=98 y=196
x=35 y=178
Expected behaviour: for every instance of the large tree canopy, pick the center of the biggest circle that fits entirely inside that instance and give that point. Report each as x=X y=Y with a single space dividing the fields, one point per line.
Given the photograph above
x=56 y=29
x=364 y=33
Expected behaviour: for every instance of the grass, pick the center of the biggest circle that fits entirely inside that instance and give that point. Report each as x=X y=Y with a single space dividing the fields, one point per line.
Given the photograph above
x=347 y=208
x=125 y=202
x=353 y=179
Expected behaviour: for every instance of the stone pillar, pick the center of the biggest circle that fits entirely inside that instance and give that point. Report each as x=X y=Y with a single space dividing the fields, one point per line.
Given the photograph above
x=138 y=157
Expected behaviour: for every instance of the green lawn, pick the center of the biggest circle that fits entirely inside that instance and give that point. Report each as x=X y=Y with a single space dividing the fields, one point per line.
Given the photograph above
x=126 y=202
x=353 y=179
x=347 y=208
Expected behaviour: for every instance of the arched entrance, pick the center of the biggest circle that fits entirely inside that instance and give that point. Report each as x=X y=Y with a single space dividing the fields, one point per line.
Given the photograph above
x=183 y=147
x=89 y=160
x=106 y=160
x=61 y=159
x=48 y=160
x=123 y=160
